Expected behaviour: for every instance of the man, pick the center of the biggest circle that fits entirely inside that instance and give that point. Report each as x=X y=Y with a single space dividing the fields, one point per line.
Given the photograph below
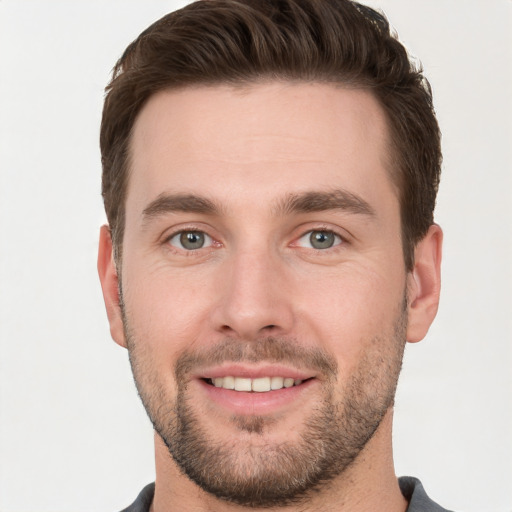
x=269 y=176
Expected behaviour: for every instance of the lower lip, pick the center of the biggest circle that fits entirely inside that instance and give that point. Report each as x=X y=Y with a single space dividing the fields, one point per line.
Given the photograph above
x=253 y=403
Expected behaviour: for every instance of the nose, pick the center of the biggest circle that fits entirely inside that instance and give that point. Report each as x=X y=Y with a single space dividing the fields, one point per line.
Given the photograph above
x=254 y=297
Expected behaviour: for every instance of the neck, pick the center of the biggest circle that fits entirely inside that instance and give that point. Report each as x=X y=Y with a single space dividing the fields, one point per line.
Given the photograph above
x=368 y=484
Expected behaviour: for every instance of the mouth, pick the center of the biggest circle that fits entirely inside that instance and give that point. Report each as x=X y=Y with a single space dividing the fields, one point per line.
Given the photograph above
x=256 y=385
x=248 y=390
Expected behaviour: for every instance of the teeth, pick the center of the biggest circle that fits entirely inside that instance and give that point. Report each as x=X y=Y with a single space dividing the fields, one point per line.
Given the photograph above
x=276 y=383
x=288 y=383
x=260 y=385
x=242 y=384
x=228 y=382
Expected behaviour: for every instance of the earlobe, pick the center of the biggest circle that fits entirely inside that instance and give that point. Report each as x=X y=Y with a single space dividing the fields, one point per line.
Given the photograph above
x=424 y=284
x=109 y=284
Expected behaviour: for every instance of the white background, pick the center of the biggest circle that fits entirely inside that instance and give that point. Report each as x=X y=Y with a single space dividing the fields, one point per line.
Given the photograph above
x=73 y=435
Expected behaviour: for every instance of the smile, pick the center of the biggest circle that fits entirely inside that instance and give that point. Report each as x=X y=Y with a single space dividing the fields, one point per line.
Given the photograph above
x=258 y=385
x=245 y=390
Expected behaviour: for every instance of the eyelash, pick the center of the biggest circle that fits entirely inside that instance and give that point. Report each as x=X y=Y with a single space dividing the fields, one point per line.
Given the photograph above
x=339 y=241
x=188 y=252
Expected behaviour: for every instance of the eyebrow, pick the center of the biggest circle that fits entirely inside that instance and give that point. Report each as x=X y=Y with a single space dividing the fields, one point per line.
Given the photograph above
x=170 y=203
x=307 y=202
x=338 y=199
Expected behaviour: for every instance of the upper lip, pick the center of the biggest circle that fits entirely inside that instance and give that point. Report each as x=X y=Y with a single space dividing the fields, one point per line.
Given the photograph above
x=253 y=372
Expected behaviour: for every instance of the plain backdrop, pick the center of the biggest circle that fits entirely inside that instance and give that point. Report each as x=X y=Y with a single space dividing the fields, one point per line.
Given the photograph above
x=73 y=435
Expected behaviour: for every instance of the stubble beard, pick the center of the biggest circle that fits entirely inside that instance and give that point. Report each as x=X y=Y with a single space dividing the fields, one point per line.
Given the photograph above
x=262 y=474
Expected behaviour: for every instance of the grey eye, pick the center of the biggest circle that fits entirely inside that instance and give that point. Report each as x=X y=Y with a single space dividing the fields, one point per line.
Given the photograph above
x=190 y=240
x=322 y=239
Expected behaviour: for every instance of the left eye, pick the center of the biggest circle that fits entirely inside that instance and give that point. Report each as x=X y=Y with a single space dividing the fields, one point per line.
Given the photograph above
x=190 y=240
x=320 y=239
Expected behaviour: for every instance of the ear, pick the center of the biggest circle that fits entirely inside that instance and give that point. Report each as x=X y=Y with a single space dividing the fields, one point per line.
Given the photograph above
x=424 y=284
x=110 y=286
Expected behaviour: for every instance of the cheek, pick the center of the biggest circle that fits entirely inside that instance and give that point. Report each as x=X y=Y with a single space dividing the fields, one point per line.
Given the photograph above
x=346 y=310
x=166 y=310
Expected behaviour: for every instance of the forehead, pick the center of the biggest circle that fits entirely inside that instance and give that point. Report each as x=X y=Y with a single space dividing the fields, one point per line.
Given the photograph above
x=259 y=141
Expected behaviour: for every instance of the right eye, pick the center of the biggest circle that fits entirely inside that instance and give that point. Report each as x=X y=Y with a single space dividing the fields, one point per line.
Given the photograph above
x=190 y=240
x=320 y=239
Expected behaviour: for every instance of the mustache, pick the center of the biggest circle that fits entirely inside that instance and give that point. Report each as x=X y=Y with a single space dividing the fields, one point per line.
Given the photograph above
x=269 y=349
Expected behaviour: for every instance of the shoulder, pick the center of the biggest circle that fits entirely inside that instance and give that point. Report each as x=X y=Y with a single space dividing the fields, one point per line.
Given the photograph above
x=143 y=501
x=413 y=491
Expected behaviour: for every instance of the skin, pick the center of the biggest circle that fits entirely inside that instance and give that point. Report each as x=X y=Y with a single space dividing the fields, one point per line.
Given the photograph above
x=248 y=151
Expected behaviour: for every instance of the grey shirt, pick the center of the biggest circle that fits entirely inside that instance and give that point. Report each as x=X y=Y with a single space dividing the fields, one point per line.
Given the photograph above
x=411 y=488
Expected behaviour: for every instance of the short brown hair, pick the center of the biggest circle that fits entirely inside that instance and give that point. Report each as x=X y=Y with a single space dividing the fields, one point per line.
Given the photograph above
x=213 y=42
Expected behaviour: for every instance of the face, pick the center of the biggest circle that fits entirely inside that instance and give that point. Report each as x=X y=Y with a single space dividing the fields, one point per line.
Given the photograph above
x=263 y=284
